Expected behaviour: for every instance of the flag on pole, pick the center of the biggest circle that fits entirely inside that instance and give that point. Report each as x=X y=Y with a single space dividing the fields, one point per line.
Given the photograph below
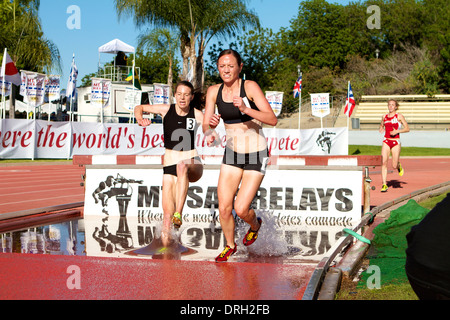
x=351 y=103
x=72 y=83
x=298 y=87
x=9 y=70
x=136 y=82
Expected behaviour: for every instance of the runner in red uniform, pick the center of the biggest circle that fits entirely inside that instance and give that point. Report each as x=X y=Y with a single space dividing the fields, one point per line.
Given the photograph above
x=392 y=124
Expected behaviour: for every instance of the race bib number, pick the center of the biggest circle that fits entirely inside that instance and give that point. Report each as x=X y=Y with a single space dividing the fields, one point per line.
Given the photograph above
x=190 y=124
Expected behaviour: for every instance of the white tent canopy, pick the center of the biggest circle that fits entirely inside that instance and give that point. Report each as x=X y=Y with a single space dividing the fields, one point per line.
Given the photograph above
x=115 y=46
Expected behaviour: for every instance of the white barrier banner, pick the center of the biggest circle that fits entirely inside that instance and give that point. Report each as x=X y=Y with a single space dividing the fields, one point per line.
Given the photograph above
x=303 y=210
x=17 y=139
x=64 y=139
x=51 y=139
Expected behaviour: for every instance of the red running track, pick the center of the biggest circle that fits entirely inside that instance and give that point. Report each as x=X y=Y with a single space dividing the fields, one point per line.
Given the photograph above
x=47 y=277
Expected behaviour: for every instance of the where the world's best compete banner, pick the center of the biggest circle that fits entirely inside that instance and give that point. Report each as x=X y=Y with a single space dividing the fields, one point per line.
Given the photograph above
x=58 y=140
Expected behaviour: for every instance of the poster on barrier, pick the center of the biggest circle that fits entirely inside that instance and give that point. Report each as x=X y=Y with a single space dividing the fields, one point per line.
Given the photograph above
x=87 y=138
x=304 y=211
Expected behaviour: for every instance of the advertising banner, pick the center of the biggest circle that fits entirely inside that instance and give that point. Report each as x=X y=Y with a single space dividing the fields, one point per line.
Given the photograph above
x=275 y=99
x=35 y=89
x=304 y=212
x=100 y=92
x=320 y=104
x=161 y=94
x=53 y=88
x=56 y=140
x=5 y=87
x=132 y=99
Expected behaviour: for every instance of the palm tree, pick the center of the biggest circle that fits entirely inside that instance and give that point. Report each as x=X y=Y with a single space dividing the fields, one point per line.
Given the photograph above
x=25 y=39
x=164 y=41
x=196 y=21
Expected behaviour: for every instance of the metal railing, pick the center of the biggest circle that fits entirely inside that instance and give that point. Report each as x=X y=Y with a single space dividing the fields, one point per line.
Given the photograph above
x=117 y=73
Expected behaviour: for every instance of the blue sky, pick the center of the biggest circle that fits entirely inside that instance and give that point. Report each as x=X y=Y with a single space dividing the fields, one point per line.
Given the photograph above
x=100 y=24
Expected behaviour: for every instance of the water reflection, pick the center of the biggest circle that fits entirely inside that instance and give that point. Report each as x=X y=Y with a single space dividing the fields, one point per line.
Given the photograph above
x=67 y=238
x=139 y=237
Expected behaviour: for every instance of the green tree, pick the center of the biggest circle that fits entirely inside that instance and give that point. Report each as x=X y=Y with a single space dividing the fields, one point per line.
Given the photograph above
x=197 y=22
x=164 y=41
x=23 y=36
x=155 y=66
x=436 y=26
x=320 y=36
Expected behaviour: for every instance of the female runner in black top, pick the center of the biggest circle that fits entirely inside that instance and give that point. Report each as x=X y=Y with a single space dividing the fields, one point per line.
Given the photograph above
x=181 y=160
x=243 y=107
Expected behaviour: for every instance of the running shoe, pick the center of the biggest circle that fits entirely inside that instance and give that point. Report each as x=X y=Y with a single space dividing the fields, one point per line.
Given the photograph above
x=162 y=250
x=176 y=220
x=400 y=170
x=384 y=188
x=251 y=235
x=226 y=254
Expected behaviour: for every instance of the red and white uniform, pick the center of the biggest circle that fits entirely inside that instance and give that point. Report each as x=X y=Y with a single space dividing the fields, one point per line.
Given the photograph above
x=391 y=123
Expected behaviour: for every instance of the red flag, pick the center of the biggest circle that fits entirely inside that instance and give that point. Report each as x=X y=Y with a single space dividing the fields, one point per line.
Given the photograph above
x=10 y=71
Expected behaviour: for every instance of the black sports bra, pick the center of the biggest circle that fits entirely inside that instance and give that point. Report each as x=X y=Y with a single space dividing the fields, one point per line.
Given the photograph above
x=231 y=114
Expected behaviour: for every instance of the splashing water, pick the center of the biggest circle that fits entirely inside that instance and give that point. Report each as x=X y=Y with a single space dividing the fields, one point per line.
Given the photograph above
x=271 y=241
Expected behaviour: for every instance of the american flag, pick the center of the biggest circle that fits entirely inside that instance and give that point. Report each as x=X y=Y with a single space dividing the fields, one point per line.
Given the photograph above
x=298 y=87
x=350 y=104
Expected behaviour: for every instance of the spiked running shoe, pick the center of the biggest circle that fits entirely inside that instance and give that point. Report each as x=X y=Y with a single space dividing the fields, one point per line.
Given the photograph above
x=226 y=253
x=251 y=235
x=384 y=188
x=400 y=170
x=176 y=220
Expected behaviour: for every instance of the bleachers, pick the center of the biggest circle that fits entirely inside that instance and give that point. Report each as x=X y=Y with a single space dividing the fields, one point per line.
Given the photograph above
x=421 y=112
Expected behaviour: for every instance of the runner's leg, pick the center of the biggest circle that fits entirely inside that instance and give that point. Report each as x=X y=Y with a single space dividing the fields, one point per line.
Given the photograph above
x=251 y=181
x=229 y=180
x=385 y=151
x=168 y=203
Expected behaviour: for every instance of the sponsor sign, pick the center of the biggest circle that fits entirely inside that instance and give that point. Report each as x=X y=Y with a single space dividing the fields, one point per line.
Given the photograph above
x=304 y=211
x=320 y=104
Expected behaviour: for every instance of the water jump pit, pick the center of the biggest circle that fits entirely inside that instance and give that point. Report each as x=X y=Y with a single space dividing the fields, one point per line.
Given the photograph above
x=304 y=208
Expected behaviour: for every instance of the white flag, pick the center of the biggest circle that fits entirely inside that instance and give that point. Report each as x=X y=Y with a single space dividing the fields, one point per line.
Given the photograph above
x=72 y=83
